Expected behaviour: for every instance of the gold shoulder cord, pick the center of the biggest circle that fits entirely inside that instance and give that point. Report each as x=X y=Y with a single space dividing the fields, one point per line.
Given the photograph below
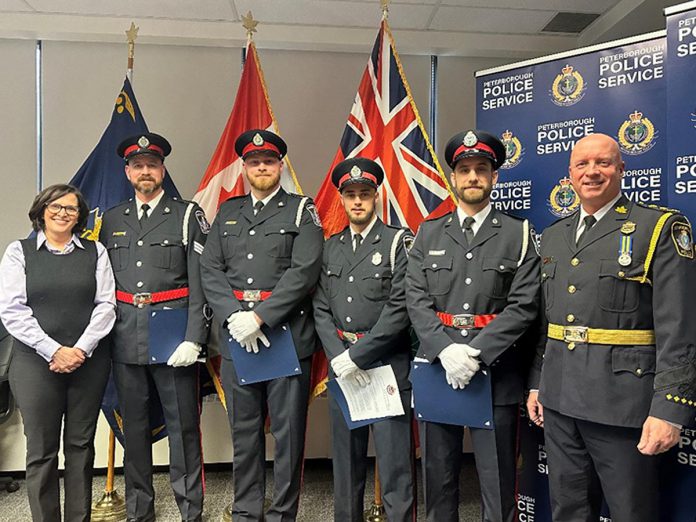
x=651 y=249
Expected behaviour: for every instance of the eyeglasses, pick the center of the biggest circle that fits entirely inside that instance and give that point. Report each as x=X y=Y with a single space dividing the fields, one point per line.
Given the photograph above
x=55 y=209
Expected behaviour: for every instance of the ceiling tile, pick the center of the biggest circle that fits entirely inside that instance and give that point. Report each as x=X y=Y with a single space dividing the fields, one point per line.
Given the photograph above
x=335 y=13
x=172 y=9
x=584 y=6
x=474 y=19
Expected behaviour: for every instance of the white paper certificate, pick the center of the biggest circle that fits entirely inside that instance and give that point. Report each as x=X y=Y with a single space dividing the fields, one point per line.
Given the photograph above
x=378 y=399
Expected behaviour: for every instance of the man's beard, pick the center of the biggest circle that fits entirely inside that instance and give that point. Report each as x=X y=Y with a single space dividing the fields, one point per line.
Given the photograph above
x=264 y=183
x=153 y=185
x=474 y=197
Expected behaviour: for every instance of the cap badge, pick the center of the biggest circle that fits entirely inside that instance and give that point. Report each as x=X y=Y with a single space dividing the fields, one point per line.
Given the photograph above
x=470 y=139
x=143 y=142
x=355 y=172
x=257 y=140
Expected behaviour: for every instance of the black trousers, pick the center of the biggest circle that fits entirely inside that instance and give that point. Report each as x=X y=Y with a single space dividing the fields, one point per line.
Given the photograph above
x=394 y=452
x=585 y=458
x=494 y=451
x=49 y=401
x=178 y=392
x=285 y=400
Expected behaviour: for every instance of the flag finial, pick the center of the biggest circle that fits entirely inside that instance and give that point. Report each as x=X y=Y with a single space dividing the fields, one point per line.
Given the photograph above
x=385 y=8
x=249 y=24
x=131 y=35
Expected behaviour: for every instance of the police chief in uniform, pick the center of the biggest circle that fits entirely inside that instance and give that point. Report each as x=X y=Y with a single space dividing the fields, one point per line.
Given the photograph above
x=154 y=243
x=362 y=322
x=261 y=263
x=617 y=371
x=472 y=292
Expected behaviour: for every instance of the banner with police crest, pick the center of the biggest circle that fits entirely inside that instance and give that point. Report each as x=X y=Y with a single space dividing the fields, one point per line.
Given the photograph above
x=681 y=107
x=540 y=109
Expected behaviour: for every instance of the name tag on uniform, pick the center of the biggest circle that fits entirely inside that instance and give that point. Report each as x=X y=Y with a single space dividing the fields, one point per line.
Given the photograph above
x=231 y=222
x=123 y=233
x=437 y=252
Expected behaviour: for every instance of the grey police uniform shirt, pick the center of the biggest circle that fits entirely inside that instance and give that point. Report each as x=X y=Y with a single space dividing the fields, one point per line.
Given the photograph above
x=614 y=384
x=279 y=250
x=365 y=292
x=497 y=274
x=163 y=255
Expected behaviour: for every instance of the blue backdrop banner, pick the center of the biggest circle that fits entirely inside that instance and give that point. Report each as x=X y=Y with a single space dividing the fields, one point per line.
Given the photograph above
x=629 y=90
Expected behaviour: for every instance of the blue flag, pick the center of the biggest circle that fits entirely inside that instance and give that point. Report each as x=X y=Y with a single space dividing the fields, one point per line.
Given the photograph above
x=102 y=180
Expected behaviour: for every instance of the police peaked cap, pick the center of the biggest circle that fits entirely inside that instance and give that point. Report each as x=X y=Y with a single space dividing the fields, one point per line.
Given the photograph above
x=260 y=140
x=357 y=170
x=475 y=143
x=147 y=143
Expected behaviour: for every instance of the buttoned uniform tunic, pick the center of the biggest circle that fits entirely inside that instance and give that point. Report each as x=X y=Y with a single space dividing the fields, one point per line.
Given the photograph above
x=597 y=395
x=498 y=273
x=364 y=292
x=279 y=251
x=162 y=255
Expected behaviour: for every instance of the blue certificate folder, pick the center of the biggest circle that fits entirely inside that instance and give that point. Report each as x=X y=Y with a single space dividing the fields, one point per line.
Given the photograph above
x=337 y=394
x=280 y=360
x=437 y=401
x=166 y=330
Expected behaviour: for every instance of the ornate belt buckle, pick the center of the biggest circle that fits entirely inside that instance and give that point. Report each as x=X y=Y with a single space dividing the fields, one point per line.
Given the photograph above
x=142 y=299
x=463 y=321
x=351 y=337
x=575 y=334
x=252 y=296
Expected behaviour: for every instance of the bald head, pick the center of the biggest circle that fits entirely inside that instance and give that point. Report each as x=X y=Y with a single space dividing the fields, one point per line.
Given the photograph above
x=596 y=169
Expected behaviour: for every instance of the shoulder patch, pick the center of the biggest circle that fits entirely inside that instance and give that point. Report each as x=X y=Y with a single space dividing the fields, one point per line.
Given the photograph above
x=682 y=238
x=535 y=239
x=202 y=221
x=312 y=209
x=407 y=240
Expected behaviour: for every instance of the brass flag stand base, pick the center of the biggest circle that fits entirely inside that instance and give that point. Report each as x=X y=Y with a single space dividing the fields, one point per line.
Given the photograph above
x=376 y=514
x=111 y=507
x=227 y=513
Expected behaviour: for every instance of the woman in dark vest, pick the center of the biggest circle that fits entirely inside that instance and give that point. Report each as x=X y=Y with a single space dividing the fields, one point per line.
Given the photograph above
x=57 y=299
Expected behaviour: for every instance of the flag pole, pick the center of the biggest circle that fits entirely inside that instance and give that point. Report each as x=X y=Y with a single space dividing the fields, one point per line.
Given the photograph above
x=111 y=507
x=376 y=513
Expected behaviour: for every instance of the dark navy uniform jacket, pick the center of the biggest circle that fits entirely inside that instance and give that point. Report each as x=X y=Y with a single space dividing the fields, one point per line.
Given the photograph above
x=365 y=292
x=497 y=274
x=609 y=384
x=163 y=255
x=278 y=250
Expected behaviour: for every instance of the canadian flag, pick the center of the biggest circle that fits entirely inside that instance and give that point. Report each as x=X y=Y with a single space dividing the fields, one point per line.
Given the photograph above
x=252 y=110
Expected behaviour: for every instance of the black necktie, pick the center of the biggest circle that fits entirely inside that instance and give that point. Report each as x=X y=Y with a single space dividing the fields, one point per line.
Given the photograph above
x=358 y=241
x=143 y=217
x=589 y=223
x=466 y=228
x=257 y=207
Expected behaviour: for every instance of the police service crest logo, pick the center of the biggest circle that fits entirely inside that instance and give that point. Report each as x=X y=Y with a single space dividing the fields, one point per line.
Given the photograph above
x=513 y=150
x=637 y=134
x=563 y=199
x=568 y=87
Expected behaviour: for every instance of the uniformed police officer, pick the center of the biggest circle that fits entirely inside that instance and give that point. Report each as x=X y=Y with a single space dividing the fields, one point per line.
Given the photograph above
x=619 y=366
x=261 y=262
x=472 y=292
x=361 y=318
x=154 y=243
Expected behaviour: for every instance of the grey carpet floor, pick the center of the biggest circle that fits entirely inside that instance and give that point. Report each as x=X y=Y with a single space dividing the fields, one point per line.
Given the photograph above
x=316 y=502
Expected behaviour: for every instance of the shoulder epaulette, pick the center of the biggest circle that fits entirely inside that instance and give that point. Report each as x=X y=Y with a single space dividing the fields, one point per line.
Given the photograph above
x=652 y=206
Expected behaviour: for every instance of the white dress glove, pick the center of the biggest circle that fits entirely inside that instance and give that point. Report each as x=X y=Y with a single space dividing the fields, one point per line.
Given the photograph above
x=242 y=325
x=461 y=363
x=251 y=343
x=185 y=354
x=342 y=365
